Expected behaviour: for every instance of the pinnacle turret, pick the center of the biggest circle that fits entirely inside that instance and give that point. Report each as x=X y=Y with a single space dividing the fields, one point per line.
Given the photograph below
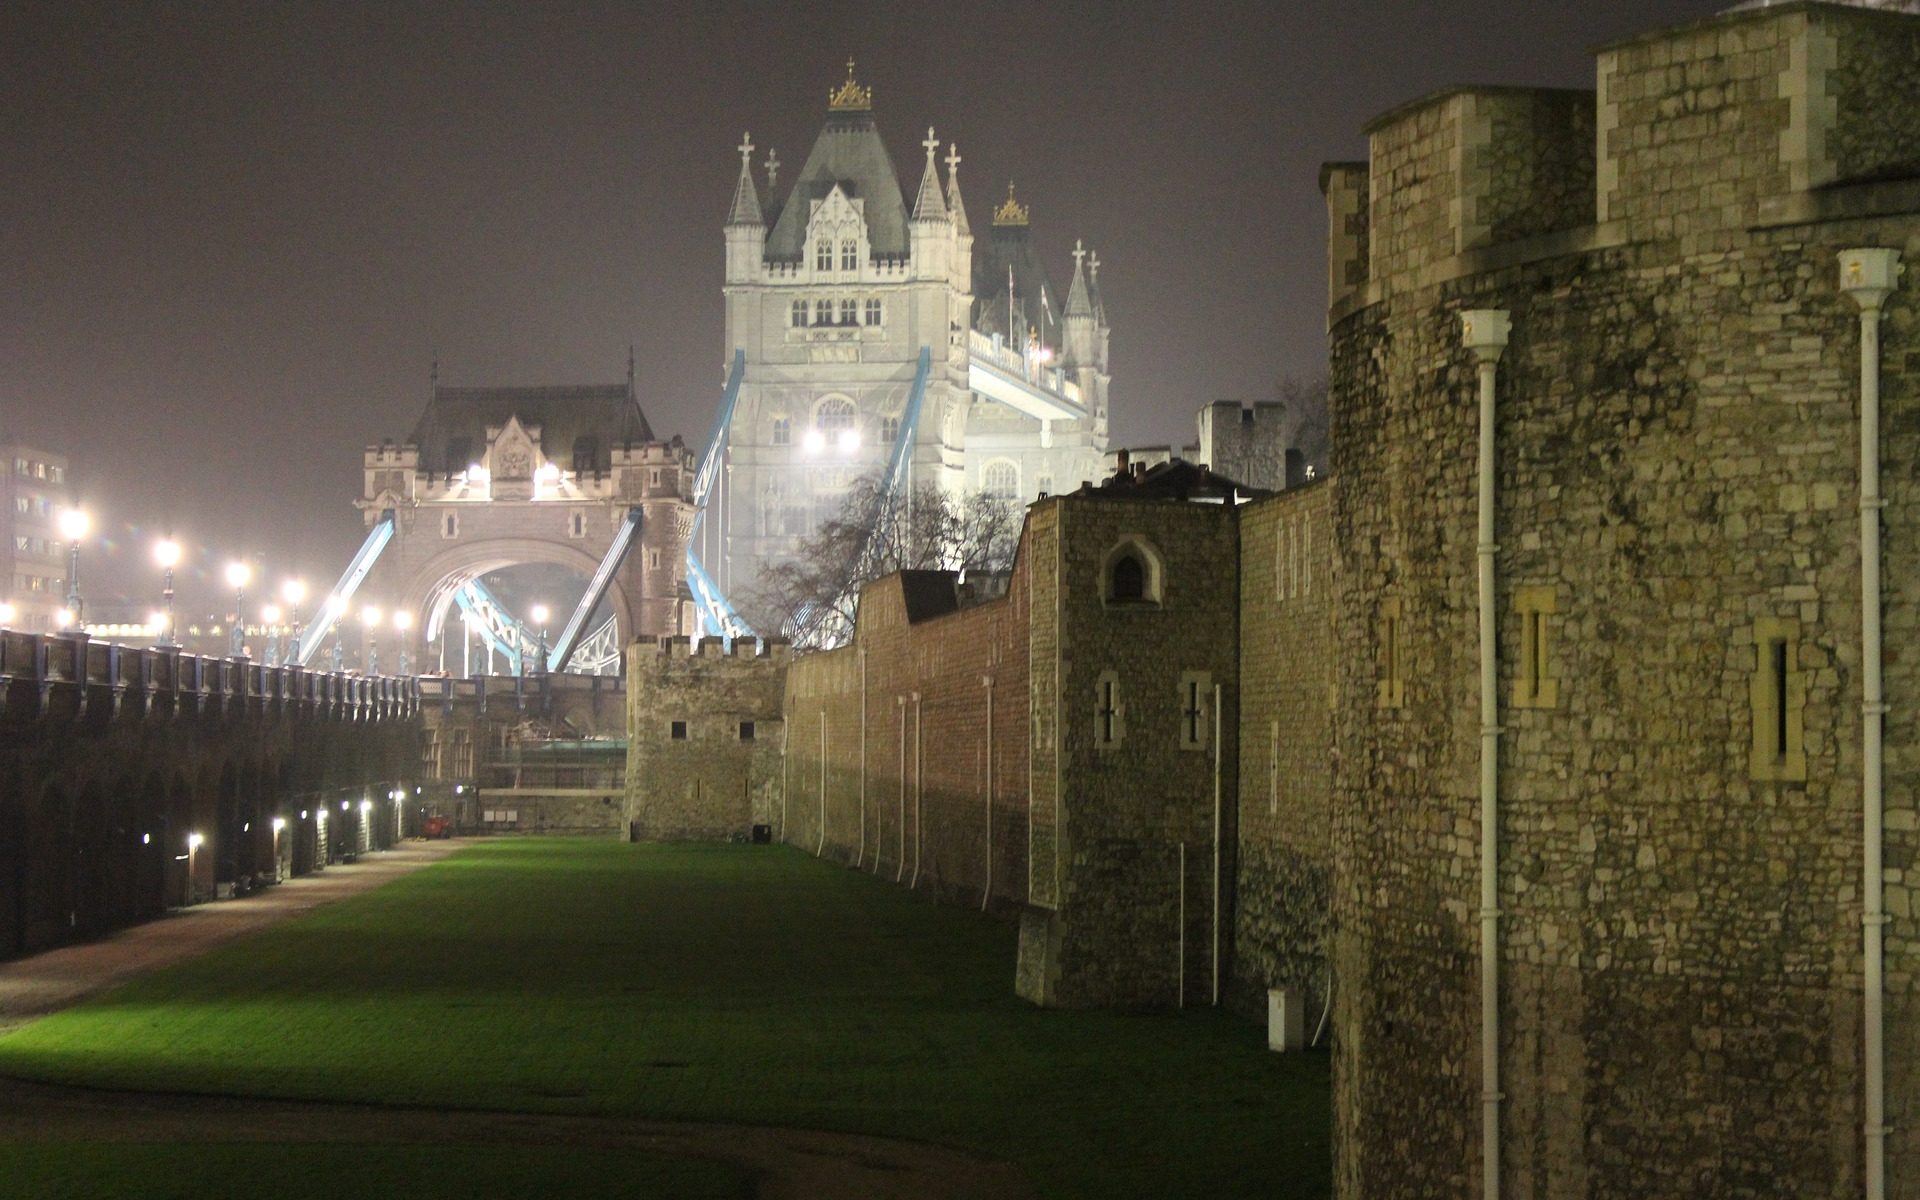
x=930 y=206
x=746 y=197
x=1078 y=304
x=956 y=208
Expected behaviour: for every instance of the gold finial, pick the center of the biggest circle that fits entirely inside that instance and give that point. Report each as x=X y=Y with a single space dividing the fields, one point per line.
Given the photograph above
x=850 y=96
x=1012 y=212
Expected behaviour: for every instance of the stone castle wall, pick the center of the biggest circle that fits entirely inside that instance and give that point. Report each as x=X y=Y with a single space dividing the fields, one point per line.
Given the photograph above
x=1116 y=920
x=1280 y=879
x=891 y=765
x=1677 y=487
x=704 y=733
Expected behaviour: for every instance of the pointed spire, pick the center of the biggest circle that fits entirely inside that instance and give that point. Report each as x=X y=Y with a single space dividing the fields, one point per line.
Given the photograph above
x=746 y=199
x=773 y=172
x=930 y=206
x=629 y=368
x=955 y=207
x=1077 y=303
x=1093 y=288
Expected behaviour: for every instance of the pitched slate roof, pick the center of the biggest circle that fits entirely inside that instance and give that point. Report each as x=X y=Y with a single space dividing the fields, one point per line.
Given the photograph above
x=608 y=413
x=1012 y=245
x=849 y=153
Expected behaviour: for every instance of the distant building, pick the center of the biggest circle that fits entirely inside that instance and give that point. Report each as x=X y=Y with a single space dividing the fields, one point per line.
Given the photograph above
x=37 y=489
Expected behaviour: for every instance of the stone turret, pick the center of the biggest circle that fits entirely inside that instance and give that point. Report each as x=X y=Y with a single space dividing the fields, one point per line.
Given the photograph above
x=932 y=228
x=746 y=226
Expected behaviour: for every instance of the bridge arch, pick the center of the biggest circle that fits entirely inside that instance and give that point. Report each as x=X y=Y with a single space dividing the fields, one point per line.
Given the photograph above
x=427 y=590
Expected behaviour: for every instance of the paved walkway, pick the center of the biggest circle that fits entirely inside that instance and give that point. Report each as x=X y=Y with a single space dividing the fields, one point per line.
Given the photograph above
x=787 y=1164
x=33 y=987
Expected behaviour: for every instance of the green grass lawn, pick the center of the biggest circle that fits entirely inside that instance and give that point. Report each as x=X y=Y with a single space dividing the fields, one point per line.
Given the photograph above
x=733 y=983
x=317 y=1171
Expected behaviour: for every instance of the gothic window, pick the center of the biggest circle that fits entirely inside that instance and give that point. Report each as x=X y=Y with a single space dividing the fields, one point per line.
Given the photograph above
x=834 y=415
x=849 y=312
x=577 y=523
x=799 y=314
x=1129 y=579
x=782 y=431
x=1045 y=486
x=586 y=454
x=823 y=255
x=823 y=312
x=873 y=311
x=1131 y=574
x=1001 y=480
x=889 y=429
x=849 y=255
x=450 y=525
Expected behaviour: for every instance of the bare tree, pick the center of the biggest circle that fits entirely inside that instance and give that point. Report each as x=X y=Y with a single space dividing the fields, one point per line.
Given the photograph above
x=811 y=597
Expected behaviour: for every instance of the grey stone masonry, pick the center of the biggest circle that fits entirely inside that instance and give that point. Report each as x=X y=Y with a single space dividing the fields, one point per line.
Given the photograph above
x=704 y=735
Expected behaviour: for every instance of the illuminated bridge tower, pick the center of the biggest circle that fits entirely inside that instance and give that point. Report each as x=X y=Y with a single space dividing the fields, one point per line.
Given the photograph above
x=500 y=477
x=834 y=286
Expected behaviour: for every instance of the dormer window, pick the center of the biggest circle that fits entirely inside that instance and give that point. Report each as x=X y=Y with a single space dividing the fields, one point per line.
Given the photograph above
x=823 y=255
x=799 y=314
x=849 y=255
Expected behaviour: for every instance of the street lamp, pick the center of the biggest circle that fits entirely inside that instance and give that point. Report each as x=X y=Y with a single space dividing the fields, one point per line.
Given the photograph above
x=166 y=552
x=270 y=617
x=239 y=574
x=73 y=527
x=7 y=613
x=293 y=591
x=370 y=617
x=540 y=614
x=402 y=622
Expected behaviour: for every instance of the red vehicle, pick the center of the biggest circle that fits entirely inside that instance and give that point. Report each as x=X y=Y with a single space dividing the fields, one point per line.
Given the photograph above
x=436 y=826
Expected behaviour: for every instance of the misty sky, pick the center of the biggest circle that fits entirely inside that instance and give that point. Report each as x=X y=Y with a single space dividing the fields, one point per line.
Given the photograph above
x=234 y=235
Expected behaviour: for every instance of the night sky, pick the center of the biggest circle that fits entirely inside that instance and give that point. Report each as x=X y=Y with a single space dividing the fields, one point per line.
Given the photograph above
x=236 y=234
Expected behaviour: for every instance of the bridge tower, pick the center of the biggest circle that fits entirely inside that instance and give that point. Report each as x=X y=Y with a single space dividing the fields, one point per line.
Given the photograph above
x=834 y=285
x=497 y=477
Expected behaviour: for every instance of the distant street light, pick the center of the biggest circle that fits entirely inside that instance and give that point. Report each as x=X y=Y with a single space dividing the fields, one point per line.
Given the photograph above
x=539 y=613
x=370 y=617
x=270 y=618
x=402 y=623
x=239 y=574
x=7 y=613
x=167 y=553
x=73 y=526
x=293 y=591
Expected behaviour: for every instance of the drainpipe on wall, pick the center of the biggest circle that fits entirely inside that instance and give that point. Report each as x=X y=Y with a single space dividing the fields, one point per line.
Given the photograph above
x=919 y=785
x=1869 y=276
x=1484 y=331
x=986 y=887
x=900 y=855
x=821 y=849
x=1216 y=847
x=861 y=859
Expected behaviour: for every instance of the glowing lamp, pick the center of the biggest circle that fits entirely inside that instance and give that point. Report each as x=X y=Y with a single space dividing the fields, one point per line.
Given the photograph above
x=239 y=574
x=293 y=591
x=539 y=614
x=63 y=618
x=74 y=524
x=849 y=440
x=195 y=841
x=403 y=621
x=370 y=615
x=280 y=823
x=167 y=553
x=7 y=613
x=270 y=614
x=813 y=441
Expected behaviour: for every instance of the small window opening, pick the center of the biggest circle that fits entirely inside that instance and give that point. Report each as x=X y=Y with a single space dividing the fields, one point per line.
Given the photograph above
x=746 y=731
x=678 y=731
x=1777 y=657
x=1129 y=578
x=1192 y=711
